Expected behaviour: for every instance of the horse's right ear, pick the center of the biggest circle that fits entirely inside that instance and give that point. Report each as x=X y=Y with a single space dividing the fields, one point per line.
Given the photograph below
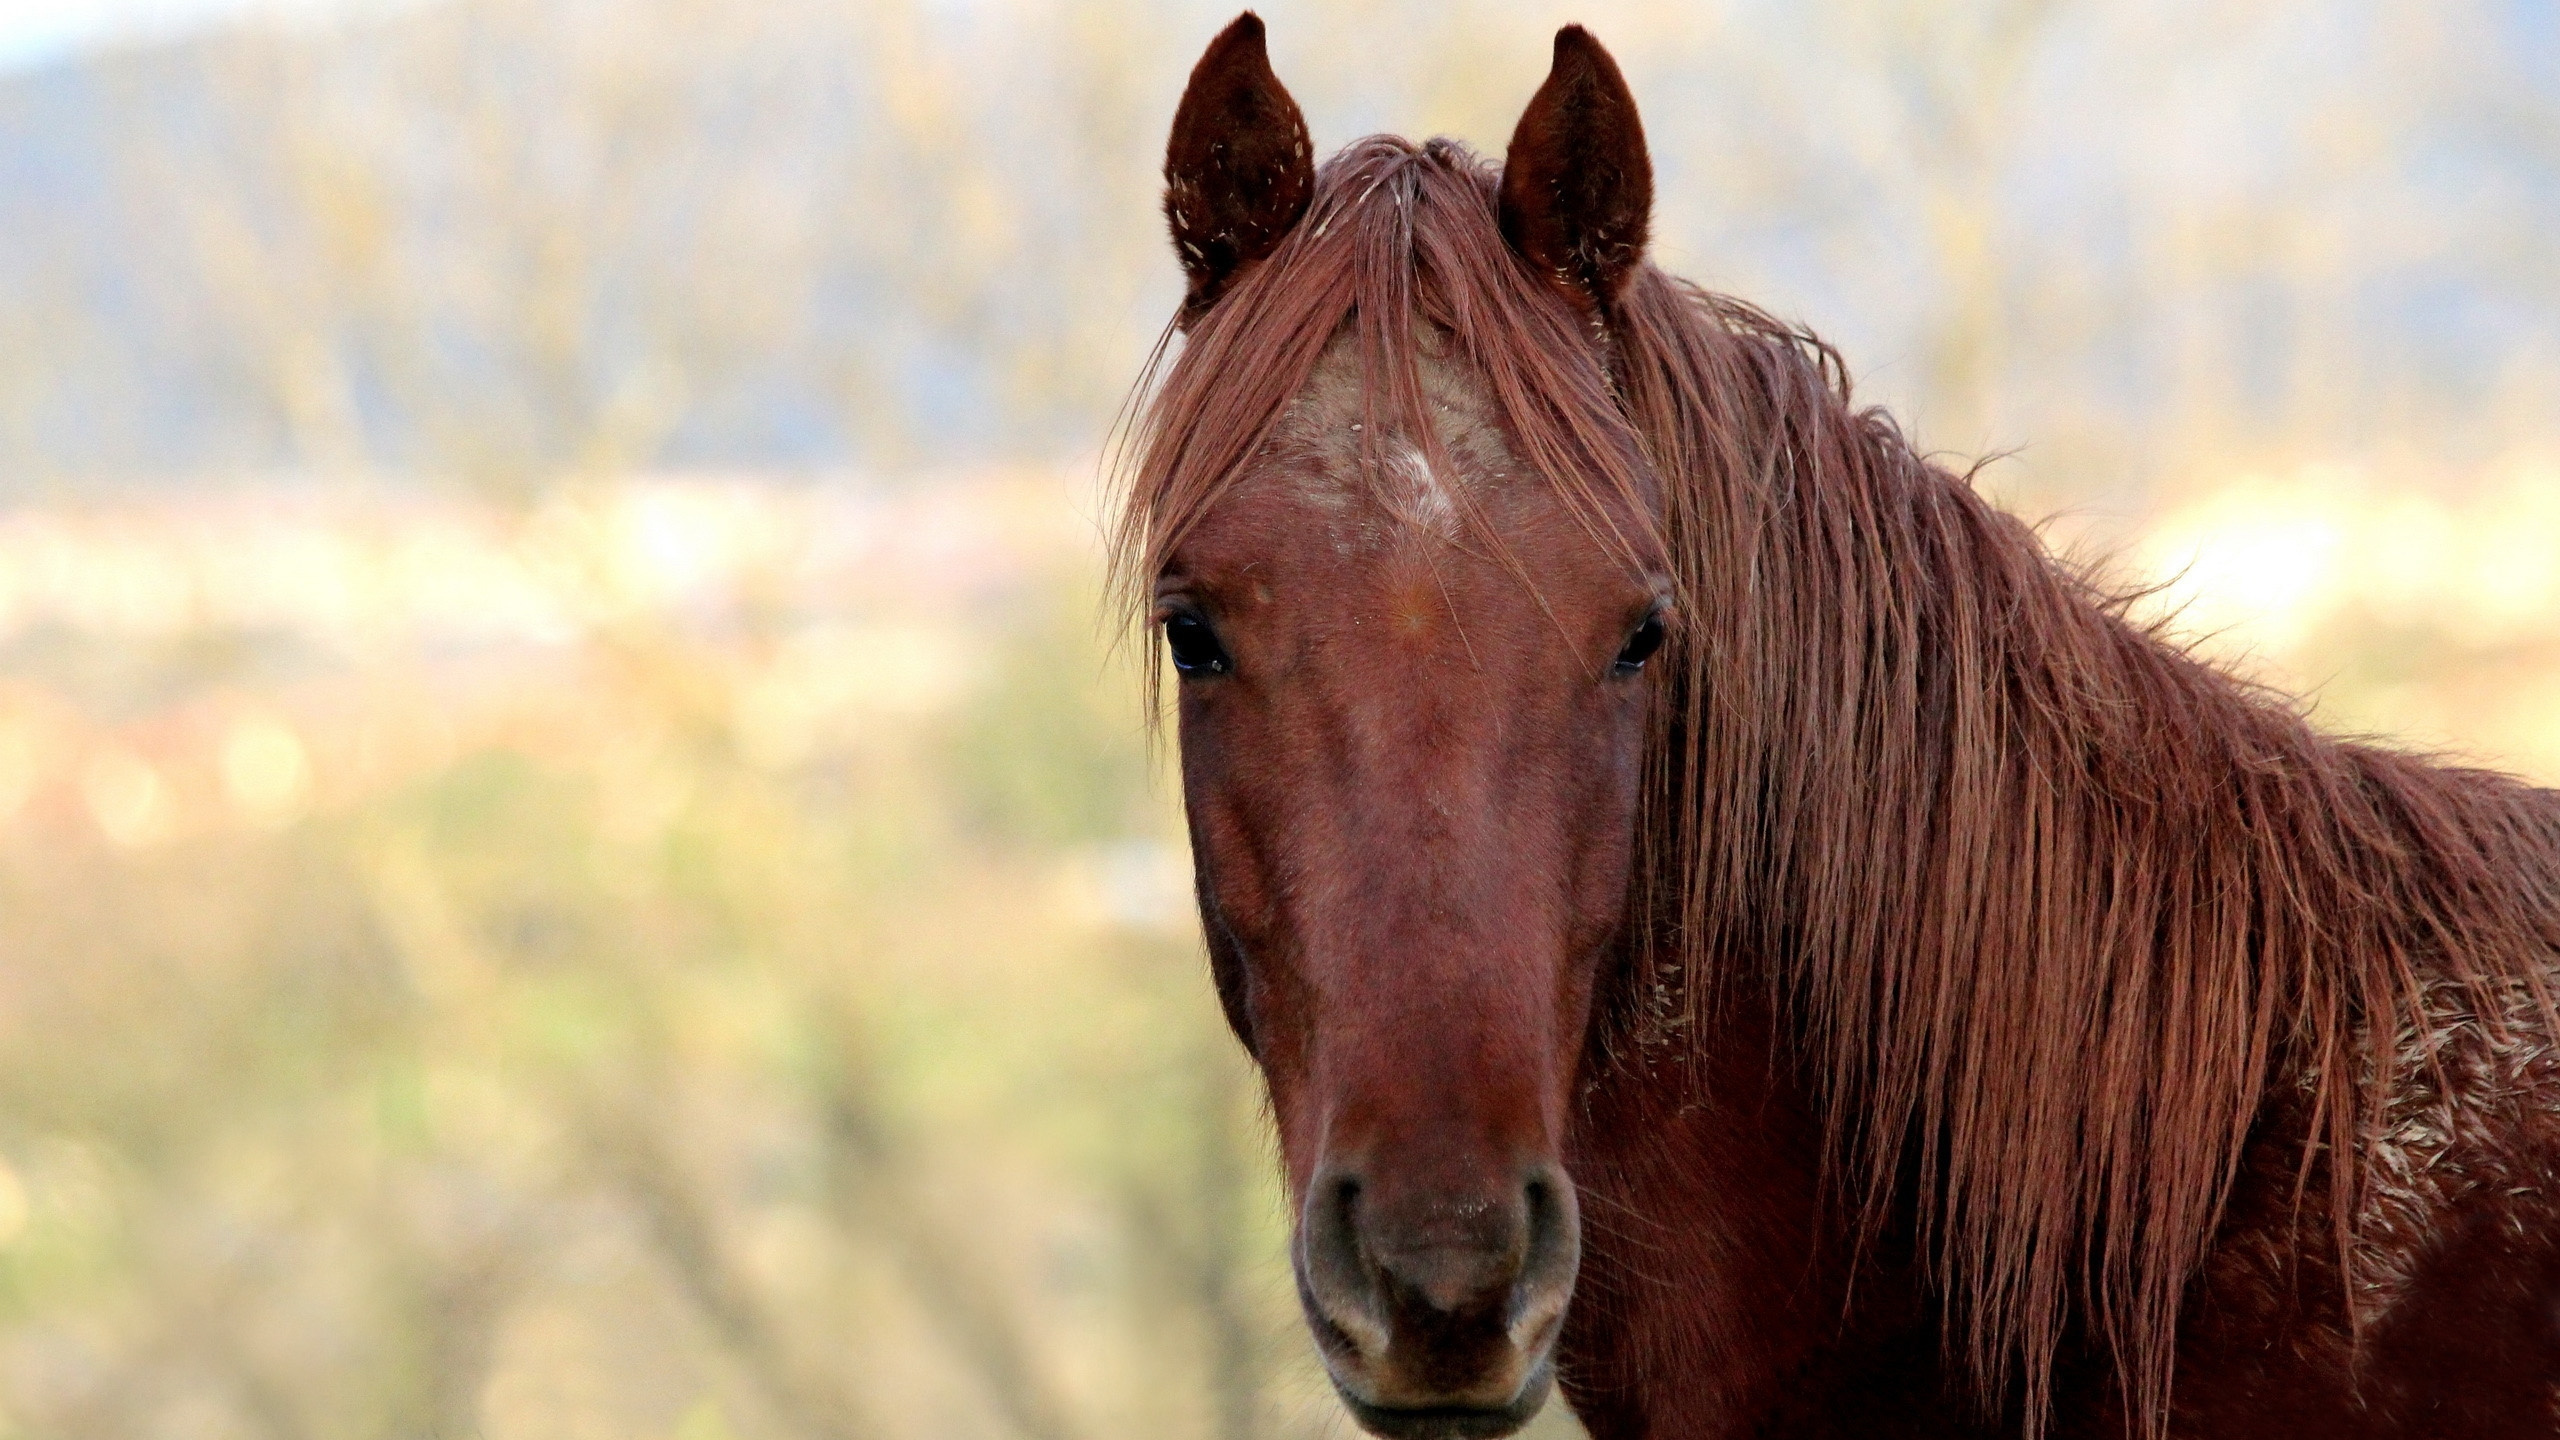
x=1239 y=171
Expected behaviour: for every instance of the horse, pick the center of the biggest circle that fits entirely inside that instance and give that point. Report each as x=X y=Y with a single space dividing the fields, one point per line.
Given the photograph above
x=1731 y=927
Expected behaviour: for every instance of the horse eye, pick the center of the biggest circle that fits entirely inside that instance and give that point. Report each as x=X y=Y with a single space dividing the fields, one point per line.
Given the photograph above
x=1195 y=647
x=1641 y=645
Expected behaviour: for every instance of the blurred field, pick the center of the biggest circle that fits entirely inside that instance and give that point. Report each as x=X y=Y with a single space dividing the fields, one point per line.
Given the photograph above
x=576 y=856
x=686 y=960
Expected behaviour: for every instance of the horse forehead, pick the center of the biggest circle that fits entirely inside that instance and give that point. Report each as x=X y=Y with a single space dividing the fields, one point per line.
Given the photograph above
x=1325 y=452
x=1287 y=538
x=1345 y=504
x=1410 y=527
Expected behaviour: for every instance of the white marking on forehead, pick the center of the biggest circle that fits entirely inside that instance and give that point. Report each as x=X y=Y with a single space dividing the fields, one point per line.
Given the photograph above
x=1333 y=463
x=1427 y=503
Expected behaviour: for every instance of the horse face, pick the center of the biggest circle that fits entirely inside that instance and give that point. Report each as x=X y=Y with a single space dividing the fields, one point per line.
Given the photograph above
x=1410 y=757
x=1413 y=712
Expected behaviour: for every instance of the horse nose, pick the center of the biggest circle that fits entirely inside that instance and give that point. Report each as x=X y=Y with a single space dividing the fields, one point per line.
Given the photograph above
x=1440 y=1298
x=1450 y=1257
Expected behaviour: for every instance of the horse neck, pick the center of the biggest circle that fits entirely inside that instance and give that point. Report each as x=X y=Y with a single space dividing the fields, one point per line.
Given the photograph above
x=2034 y=902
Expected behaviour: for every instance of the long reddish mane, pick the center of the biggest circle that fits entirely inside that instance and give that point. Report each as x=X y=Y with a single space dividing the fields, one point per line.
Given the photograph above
x=2052 y=907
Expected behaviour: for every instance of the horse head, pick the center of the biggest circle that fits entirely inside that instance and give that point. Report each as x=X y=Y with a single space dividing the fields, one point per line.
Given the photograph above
x=1412 y=688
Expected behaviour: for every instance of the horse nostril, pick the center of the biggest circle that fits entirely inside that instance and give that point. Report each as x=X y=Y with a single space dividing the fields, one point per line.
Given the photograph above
x=1334 y=1271
x=1547 y=1201
x=1554 y=1254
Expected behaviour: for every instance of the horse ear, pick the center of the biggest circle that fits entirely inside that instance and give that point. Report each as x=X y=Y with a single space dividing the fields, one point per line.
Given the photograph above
x=1577 y=186
x=1238 y=171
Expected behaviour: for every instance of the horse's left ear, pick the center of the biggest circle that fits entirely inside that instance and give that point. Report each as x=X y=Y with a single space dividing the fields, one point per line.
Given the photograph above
x=1238 y=171
x=1577 y=186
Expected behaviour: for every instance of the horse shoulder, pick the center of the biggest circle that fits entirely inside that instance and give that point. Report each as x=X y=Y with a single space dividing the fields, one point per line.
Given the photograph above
x=2454 y=1264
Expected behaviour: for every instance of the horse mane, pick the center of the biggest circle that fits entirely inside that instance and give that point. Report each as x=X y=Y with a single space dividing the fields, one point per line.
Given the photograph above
x=2050 y=905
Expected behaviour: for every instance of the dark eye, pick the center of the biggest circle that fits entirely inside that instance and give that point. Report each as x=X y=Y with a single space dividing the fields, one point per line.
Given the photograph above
x=1195 y=647
x=1641 y=645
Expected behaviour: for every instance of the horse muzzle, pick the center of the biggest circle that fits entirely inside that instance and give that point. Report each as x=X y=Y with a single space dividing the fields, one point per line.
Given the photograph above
x=1437 y=1313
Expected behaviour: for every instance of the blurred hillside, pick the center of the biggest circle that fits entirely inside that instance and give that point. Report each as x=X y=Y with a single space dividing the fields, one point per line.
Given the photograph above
x=499 y=240
x=575 y=859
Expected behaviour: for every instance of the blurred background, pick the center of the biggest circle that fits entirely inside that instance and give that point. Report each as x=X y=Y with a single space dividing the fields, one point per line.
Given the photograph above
x=576 y=858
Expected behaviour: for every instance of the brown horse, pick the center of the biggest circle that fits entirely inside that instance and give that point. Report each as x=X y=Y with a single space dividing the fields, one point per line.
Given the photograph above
x=1734 y=928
